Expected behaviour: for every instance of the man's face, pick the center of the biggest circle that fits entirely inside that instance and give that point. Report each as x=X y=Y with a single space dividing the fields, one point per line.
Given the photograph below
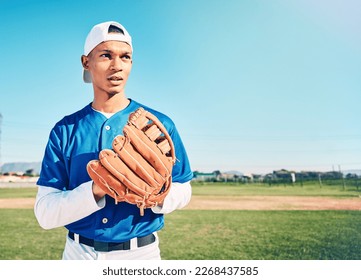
x=109 y=65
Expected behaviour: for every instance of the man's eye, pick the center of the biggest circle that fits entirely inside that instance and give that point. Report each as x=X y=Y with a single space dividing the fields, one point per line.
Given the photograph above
x=126 y=57
x=106 y=55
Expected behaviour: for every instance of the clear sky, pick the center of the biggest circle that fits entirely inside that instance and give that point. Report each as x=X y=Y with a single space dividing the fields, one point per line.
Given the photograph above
x=252 y=85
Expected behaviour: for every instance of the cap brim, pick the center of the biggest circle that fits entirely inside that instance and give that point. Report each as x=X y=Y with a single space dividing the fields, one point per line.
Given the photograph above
x=86 y=76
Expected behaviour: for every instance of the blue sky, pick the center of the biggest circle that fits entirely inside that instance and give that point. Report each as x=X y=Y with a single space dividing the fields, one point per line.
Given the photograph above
x=252 y=85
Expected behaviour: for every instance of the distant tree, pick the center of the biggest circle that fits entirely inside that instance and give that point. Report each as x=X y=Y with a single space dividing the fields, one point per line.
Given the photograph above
x=351 y=176
x=217 y=173
x=29 y=172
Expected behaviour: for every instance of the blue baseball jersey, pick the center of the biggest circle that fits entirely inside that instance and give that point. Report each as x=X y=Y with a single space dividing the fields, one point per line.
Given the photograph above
x=78 y=139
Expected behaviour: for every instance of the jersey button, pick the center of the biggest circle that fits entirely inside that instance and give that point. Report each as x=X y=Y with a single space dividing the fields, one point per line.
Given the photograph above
x=107 y=127
x=105 y=220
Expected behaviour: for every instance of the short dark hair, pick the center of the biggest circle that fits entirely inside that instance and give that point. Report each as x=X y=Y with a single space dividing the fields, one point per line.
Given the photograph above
x=115 y=29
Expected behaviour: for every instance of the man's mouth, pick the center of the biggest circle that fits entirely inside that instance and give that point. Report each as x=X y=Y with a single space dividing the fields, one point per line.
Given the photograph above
x=115 y=78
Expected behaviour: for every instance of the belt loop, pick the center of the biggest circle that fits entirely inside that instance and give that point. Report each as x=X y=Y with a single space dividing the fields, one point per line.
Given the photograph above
x=133 y=243
x=76 y=238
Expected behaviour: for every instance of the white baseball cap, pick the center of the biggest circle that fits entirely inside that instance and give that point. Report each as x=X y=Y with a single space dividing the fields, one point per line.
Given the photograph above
x=100 y=33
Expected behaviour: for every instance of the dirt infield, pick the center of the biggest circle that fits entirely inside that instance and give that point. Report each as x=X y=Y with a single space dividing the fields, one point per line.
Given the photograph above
x=274 y=203
x=240 y=203
x=16 y=203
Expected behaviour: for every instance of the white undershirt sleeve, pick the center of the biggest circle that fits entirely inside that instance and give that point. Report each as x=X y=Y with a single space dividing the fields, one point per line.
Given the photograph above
x=55 y=208
x=178 y=197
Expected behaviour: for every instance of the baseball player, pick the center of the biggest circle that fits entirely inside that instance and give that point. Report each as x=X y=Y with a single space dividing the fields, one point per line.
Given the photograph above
x=98 y=227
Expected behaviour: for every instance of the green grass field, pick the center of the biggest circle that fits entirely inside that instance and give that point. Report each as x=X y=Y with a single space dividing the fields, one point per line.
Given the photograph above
x=211 y=234
x=262 y=235
x=17 y=192
x=214 y=189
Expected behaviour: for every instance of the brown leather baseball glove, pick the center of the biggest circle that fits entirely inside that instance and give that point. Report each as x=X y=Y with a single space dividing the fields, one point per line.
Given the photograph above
x=138 y=169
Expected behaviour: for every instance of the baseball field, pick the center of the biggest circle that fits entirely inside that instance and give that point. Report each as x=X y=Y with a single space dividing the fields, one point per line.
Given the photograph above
x=222 y=222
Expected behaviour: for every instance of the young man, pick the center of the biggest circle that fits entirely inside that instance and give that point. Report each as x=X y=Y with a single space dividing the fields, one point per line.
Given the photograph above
x=98 y=227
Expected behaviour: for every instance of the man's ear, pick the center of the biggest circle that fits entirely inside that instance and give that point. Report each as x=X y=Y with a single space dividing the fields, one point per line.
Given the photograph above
x=85 y=61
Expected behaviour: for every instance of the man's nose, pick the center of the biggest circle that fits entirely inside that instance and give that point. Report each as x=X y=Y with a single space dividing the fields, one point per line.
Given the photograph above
x=117 y=64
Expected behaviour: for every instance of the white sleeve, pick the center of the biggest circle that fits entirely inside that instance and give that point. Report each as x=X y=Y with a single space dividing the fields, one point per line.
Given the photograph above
x=178 y=197
x=55 y=208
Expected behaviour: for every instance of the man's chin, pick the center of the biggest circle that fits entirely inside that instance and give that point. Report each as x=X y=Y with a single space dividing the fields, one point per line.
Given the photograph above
x=115 y=90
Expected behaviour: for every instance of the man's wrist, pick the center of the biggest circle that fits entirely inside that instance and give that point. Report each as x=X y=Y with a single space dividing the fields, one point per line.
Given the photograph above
x=98 y=193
